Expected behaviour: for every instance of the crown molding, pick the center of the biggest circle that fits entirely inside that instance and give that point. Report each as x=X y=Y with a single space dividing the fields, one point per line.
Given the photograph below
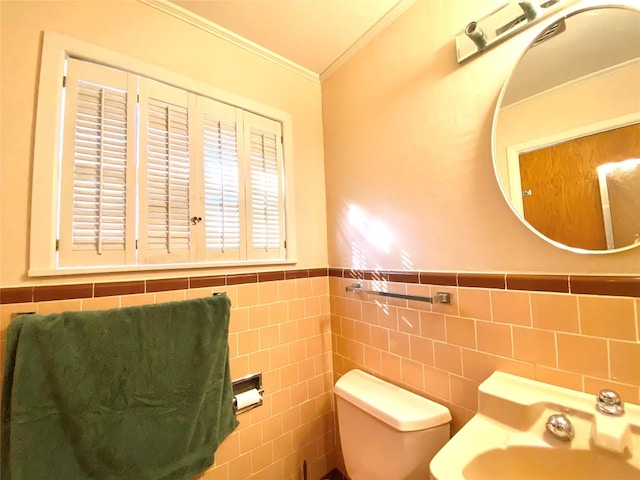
x=388 y=18
x=231 y=37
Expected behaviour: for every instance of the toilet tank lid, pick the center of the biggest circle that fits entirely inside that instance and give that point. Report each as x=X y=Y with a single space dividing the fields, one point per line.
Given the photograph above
x=403 y=410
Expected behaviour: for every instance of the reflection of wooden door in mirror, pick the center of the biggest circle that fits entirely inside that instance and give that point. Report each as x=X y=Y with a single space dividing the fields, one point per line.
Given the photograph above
x=565 y=200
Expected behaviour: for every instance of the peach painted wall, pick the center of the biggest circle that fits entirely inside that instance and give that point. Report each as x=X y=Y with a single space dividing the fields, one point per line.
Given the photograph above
x=409 y=173
x=281 y=328
x=140 y=31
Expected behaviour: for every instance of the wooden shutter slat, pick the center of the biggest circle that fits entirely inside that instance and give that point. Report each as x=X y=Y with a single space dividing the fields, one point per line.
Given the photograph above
x=223 y=238
x=265 y=220
x=97 y=208
x=166 y=173
x=265 y=192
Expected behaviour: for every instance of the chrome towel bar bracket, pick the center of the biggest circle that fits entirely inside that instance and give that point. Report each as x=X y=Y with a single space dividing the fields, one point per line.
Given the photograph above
x=441 y=297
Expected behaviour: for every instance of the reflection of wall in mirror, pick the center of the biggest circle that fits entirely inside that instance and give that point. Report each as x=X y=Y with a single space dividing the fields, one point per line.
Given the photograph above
x=593 y=103
x=619 y=188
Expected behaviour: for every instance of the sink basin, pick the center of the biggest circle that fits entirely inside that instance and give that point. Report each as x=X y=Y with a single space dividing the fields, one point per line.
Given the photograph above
x=507 y=438
x=548 y=464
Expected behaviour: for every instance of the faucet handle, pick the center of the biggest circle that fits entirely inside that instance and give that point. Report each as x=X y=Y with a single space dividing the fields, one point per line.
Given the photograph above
x=560 y=427
x=609 y=402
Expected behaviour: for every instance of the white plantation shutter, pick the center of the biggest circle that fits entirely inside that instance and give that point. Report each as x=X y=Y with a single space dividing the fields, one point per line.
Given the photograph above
x=222 y=192
x=165 y=175
x=265 y=192
x=154 y=174
x=97 y=207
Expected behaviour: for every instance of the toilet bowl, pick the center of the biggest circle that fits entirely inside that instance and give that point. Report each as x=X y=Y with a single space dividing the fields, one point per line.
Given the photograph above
x=386 y=432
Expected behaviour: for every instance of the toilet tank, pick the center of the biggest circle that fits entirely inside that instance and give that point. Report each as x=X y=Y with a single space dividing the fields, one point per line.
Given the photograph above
x=386 y=432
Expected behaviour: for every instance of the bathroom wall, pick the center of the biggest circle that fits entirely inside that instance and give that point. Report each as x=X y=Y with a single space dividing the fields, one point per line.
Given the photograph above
x=280 y=326
x=413 y=206
x=280 y=319
x=528 y=325
x=409 y=174
x=410 y=188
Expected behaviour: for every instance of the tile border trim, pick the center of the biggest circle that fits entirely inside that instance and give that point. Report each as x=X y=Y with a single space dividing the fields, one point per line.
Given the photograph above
x=623 y=285
x=627 y=286
x=42 y=293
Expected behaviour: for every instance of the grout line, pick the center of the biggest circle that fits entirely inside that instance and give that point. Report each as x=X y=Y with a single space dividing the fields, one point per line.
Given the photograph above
x=579 y=315
x=491 y=304
x=512 y=356
x=608 y=340
x=636 y=308
x=475 y=333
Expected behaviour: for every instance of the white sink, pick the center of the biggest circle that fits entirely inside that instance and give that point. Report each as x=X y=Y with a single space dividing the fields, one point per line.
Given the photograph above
x=548 y=464
x=507 y=438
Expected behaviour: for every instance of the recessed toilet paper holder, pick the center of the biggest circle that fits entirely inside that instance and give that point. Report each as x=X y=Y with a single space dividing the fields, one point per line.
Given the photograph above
x=246 y=385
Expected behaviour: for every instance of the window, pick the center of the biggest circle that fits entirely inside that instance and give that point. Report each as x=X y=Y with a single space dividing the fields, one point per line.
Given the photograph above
x=152 y=173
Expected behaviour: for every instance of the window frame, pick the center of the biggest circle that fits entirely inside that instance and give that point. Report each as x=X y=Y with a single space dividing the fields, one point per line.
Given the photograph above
x=47 y=149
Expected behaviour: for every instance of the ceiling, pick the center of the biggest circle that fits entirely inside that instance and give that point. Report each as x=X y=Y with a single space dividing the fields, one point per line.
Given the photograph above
x=311 y=33
x=593 y=41
x=317 y=34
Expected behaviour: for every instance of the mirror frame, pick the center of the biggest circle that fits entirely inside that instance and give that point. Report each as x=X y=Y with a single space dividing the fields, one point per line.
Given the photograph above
x=630 y=119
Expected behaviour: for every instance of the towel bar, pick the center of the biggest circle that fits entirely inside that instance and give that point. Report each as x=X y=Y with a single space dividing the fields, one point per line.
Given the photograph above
x=17 y=314
x=441 y=297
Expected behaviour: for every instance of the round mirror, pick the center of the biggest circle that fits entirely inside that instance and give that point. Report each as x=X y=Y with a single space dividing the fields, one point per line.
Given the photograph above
x=566 y=132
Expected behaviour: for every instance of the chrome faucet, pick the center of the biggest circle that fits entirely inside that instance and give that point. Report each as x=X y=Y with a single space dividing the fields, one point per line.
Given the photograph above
x=609 y=402
x=560 y=427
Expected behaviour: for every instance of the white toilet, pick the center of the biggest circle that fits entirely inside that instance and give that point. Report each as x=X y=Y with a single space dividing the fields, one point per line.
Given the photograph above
x=386 y=432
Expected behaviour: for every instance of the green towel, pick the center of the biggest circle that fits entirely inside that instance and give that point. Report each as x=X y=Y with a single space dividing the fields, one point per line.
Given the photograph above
x=131 y=393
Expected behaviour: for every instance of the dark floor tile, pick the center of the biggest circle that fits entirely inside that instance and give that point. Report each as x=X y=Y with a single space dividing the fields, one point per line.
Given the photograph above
x=334 y=474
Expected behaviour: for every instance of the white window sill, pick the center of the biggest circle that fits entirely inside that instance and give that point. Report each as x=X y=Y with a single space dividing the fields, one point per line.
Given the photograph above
x=155 y=267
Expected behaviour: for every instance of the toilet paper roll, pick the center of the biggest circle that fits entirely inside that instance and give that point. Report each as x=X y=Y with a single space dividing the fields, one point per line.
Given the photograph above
x=248 y=398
